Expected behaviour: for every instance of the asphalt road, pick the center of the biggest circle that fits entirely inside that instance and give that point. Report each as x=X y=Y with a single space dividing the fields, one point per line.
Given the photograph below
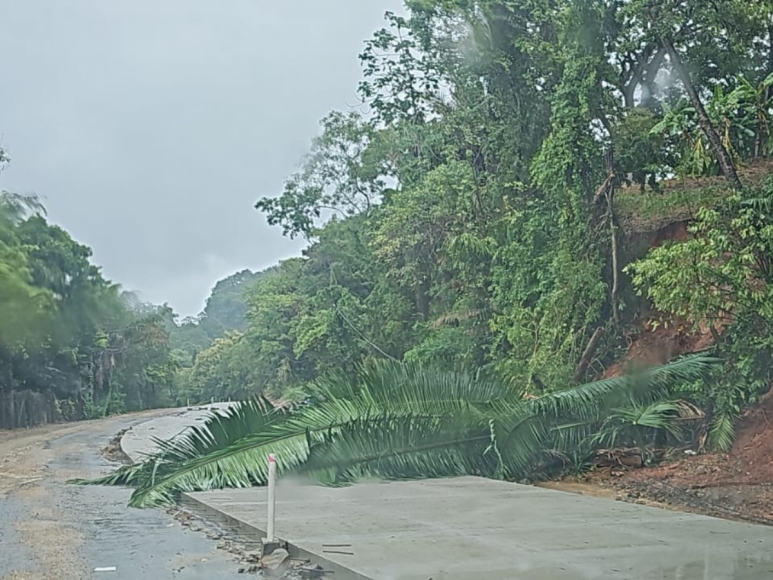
x=50 y=530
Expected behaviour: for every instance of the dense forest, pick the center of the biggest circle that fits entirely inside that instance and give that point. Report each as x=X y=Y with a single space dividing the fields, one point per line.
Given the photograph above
x=528 y=190
x=492 y=203
x=73 y=345
x=538 y=209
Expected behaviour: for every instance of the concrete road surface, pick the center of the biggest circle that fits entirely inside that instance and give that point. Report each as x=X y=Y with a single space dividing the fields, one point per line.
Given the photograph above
x=478 y=529
x=53 y=531
x=469 y=528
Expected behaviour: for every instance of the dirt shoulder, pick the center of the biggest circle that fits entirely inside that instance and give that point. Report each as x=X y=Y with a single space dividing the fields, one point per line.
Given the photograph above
x=737 y=485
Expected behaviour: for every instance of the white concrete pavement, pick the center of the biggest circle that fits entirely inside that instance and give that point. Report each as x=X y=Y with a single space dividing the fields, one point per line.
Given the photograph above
x=139 y=442
x=478 y=529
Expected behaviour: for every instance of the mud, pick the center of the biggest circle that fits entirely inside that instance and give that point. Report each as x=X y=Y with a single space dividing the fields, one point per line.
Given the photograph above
x=737 y=485
x=114 y=452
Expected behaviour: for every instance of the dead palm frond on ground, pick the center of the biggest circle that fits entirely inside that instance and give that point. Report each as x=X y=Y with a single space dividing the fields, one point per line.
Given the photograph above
x=399 y=421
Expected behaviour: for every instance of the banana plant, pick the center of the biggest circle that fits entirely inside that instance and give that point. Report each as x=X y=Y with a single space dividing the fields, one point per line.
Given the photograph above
x=742 y=118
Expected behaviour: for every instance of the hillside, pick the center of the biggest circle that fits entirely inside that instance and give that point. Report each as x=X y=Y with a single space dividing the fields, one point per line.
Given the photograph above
x=735 y=485
x=661 y=214
x=649 y=219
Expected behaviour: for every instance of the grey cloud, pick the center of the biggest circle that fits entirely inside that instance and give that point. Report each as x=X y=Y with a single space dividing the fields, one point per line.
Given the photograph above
x=150 y=128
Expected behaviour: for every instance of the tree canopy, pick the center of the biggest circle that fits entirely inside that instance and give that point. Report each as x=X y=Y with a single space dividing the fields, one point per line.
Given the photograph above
x=468 y=212
x=71 y=345
x=495 y=207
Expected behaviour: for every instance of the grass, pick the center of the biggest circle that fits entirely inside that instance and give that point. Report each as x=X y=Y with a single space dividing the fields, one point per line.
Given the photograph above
x=679 y=199
x=651 y=211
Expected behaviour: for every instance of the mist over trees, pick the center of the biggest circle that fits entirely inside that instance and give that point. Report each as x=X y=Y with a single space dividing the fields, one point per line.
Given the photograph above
x=492 y=206
x=75 y=345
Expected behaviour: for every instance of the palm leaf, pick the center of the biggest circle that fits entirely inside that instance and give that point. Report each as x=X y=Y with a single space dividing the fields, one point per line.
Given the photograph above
x=722 y=431
x=383 y=395
x=625 y=424
x=561 y=422
x=402 y=448
x=396 y=421
x=643 y=385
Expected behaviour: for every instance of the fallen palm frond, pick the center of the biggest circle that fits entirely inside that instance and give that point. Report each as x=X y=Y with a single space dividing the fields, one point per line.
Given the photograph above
x=722 y=431
x=396 y=421
x=639 y=424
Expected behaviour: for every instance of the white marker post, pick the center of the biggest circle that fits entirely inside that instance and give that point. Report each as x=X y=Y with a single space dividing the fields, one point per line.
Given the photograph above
x=271 y=497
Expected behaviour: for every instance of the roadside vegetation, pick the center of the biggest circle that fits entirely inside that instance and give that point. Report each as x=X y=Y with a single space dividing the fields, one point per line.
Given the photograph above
x=74 y=345
x=475 y=265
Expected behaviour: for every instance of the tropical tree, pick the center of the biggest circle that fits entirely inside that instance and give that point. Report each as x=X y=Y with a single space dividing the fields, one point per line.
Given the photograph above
x=69 y=339
x=339 y=177
x=23 y=305
x=226 y=307
x=720 y=280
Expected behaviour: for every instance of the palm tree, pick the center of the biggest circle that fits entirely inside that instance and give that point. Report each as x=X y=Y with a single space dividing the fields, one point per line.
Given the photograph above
x=397 y=421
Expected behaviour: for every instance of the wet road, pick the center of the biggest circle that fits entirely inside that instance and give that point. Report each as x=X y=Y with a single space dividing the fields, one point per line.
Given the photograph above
x=51 y=531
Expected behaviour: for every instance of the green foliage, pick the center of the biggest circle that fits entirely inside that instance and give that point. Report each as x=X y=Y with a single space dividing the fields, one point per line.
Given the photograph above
x=720 y=273
x=223 y=371
x=720 y=280
x=462 y=219
x=67 y=331
x=341 y=175
x=400 y=421
x=639 y=150
x=24 y=307
x=641 y=424
x=226 y=307
x=742 y=115
x=651 y=210
x=468 y=216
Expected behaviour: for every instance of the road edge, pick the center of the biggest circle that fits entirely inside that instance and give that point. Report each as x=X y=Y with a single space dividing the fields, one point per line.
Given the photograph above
x=213 y=515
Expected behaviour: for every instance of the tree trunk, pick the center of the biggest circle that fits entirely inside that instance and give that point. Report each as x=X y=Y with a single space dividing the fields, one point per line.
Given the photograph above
x=609 y=194
x=648 y=86
x=11 y=403
x=587 y=355
x=715 y=335
x=628 y=92
x=422 y=299
x=615 y=267
x=721 y=154
x=768 y=90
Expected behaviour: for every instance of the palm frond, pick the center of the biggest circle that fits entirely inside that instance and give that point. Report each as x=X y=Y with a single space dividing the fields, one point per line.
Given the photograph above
x=592 y=400
x=216 y=439
x=409 y=387
x=402 y=448
x=385 y=395
x=397 y=421
x=629 y=424
x=722 y=431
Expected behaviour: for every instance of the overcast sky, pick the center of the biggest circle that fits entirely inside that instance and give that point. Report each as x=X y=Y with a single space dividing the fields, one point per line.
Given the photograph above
x=151 y=127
